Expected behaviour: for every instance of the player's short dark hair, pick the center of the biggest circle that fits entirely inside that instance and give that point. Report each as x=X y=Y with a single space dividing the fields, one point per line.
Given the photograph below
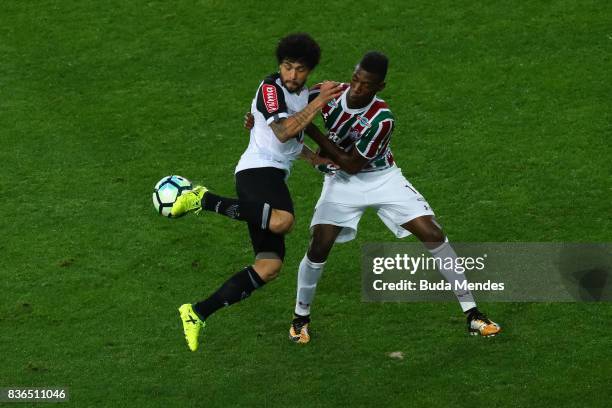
x=375 y=63
x=299 y=47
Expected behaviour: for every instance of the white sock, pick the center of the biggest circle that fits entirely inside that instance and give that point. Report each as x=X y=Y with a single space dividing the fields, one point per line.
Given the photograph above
x=308 y=275
x=443 y=252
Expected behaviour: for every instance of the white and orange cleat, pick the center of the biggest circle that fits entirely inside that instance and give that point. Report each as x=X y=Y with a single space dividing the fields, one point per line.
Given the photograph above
x=298 y=332
x=480 y=325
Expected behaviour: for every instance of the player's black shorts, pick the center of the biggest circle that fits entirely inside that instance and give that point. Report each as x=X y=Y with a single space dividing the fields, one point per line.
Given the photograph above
x=265 y=184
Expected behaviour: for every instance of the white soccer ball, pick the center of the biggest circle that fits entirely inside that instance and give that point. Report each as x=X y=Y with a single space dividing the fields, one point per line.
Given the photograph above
x=166 y=192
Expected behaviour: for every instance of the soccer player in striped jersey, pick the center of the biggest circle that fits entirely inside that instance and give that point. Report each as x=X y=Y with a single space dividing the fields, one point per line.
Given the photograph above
x=359 y=127
x=282 y=110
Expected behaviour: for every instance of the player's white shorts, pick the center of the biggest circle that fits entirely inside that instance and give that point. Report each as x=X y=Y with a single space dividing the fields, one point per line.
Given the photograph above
x=344 y=199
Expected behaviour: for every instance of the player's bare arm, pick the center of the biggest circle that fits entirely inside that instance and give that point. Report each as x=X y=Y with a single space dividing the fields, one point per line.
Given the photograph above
x=249 y=121
x=351 y=162
x=287 y=128
x=314 y=158
x=307 y=154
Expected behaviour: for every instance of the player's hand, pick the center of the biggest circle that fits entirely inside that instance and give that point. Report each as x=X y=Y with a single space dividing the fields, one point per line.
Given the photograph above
x=323 y=163
x=318 y=160
x=327 y=168
x=249 y=121
x=329 y=90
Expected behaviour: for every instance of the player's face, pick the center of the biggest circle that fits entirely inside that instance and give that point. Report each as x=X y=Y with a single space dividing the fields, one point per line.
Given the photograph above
x=364 y=86
x=293 y=74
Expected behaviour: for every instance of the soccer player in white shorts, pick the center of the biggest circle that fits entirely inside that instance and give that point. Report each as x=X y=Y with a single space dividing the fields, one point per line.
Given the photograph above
x=345 y=198
x=282 y=110
x=359 y=127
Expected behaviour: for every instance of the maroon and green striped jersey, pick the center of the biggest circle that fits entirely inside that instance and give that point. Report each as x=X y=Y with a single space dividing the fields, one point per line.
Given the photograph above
x=366 y=129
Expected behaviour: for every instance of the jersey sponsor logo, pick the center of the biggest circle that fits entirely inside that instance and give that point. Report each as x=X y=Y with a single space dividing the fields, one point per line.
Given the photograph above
x=270 y=97
x=363 y=121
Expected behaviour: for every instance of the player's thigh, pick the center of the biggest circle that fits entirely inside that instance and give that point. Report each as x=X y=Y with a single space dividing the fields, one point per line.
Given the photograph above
x=265 y=184
x=266 y=244
x=341 y=204
x=345 y=217
x=398 y=203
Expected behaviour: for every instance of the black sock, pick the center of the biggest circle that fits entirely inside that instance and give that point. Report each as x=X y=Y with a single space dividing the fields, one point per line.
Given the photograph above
x=300 y=318
x=470 y=311
x=236 y=288
x=256 y=213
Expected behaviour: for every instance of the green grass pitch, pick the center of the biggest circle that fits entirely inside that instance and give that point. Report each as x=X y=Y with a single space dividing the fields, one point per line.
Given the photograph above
x=503 y=123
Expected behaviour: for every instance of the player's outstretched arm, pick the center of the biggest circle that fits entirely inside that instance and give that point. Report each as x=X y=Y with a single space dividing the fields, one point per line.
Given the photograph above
x=315 y=159
x=287 y=128
x=351 y=162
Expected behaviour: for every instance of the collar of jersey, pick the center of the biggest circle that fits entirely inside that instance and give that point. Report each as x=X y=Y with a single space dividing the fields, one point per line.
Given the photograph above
x=354 y=111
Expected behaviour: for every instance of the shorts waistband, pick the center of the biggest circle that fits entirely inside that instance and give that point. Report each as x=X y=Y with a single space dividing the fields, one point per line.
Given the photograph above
x=367 y=175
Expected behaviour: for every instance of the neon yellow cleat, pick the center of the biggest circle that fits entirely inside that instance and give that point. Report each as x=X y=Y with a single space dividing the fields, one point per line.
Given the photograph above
x=189 y=201
x=192 y=325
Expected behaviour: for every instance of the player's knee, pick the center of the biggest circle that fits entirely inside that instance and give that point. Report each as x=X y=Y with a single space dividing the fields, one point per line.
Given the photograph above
x=433 y=235
x=318 y=253
x=268 y=269
x=323 y=239
x=270 y=275
x=281 y=222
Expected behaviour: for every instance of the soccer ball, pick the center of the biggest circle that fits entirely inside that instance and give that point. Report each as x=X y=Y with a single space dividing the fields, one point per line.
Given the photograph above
x=166 y=192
